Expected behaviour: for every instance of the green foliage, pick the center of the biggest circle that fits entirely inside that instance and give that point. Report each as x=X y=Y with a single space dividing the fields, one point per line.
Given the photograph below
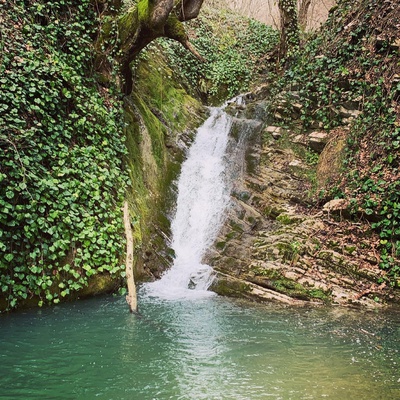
x=311 y=157
x=233 y=54
x=61 y=150
x=354 y=66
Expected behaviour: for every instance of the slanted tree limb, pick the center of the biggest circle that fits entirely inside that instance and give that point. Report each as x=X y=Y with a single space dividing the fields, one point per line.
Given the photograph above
x=174 y=29
x=140 y=25
x=188 y=9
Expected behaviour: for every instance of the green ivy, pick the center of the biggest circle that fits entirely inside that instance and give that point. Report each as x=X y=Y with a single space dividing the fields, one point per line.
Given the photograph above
x=340 y=66
x=62 y=181
x=233 y=48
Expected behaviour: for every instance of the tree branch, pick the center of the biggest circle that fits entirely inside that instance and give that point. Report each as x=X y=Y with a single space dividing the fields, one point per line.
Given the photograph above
x=188 y=9
x=131 y=298
x=140 y=25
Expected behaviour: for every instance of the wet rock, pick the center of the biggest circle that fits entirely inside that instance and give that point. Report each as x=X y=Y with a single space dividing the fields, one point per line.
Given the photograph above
x=262 y=91
x=348 y=113
x=234 y=287
x=276 y=135
x=316 y=125
x=275 y=131
x=296 y=164
x=299 y=139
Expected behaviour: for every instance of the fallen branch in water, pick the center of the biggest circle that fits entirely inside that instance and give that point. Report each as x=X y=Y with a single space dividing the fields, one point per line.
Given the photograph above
x=131 y=298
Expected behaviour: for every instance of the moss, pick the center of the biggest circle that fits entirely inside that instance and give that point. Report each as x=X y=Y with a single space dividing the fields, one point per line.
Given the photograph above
x=286 y=219
x=289 y=287
x=155 y=130
x=272 y=212
x=174 y=28
x=236 y=227
x=251 y=220
x=230 y=287
x=350 y=249
x=138 y=196
x=106 y=26
x=235 y=131
x=143 y=10
x=163 y=94
x=98 y=284
x=220 y=245
x=320 y=294
x=268 y=273
x=128 y=24
x=231 y=235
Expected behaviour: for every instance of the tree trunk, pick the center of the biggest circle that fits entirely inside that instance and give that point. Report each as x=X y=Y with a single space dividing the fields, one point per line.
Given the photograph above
x=289 y=41
x=139 y=26
x=131 y=298
x=303 y=13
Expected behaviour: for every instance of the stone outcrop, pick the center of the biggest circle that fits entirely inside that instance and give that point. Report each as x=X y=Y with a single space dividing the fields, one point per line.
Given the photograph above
x=317 y=141
x=276 y=245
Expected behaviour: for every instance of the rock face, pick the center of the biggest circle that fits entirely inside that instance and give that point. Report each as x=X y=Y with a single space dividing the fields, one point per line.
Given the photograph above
x=317 y=141
x=277 y=245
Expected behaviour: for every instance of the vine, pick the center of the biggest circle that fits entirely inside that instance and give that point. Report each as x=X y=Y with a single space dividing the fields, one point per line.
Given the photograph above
x=62 y=181
x=354 y=60
x=234 y=55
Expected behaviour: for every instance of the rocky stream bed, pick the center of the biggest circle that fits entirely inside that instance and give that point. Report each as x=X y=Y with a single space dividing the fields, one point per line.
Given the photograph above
x=278 y=241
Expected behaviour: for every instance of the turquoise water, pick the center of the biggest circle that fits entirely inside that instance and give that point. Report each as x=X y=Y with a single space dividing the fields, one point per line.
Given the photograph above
x=210 y=348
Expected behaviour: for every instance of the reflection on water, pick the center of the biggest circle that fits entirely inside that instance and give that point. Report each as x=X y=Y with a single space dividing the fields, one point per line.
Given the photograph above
x=209 y=348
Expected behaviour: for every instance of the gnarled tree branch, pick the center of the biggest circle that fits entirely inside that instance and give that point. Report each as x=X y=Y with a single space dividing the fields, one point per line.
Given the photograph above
x=140 y=25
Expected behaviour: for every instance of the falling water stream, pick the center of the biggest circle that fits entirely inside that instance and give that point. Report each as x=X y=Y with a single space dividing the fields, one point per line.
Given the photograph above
x=189 y=344
x=203 y=196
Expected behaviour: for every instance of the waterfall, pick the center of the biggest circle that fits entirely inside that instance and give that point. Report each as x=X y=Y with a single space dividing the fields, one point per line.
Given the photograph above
x=203 y=197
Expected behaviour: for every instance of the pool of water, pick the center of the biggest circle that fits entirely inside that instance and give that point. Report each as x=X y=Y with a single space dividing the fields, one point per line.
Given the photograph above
x=208 y=348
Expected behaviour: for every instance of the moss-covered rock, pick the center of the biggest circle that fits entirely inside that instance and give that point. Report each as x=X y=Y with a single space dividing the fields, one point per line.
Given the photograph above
x=230 y=287
x=158 y=114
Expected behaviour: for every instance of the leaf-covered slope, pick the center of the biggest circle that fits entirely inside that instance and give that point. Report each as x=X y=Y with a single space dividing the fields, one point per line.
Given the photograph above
x=234 y=47
x=61 y=152
x=355 y=62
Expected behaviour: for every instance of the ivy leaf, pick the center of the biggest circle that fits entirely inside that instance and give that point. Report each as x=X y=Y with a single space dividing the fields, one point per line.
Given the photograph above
x=9 y=257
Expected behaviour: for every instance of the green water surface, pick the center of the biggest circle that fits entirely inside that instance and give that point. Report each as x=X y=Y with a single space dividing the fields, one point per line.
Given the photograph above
x=211 y=348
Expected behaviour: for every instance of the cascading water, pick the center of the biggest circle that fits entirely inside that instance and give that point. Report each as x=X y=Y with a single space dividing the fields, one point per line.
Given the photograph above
x=203 y=196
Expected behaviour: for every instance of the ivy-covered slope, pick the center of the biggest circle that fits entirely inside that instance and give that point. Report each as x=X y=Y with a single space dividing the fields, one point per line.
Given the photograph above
x=71 y=151
x=235 y=48
x=61 y=149
x=354 y=61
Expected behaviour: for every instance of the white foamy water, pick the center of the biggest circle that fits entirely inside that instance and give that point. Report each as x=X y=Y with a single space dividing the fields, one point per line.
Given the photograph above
x=203 y=197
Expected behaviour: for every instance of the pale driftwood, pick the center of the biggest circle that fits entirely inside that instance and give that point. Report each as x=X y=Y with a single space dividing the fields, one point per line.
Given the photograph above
x=131 y=298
